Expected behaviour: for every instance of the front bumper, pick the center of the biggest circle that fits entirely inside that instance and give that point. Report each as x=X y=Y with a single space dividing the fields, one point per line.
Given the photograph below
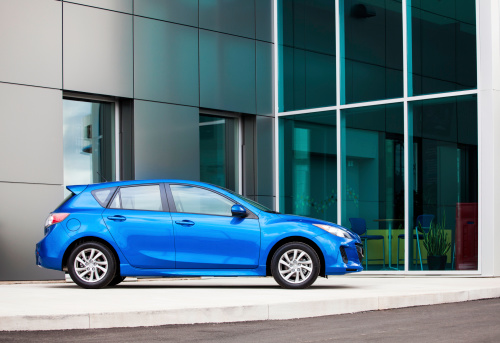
x=341 y=256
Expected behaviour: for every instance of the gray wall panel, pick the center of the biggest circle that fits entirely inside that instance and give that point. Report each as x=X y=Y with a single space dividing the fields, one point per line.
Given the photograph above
x=236 y=17
x=166 y=141
x=264 y=14
x=18 y=237
x=165 y=62
x=264 y=78
x=265 y=160
x=30 y=40
x=227 y=72
x=177 y=11
x=31 y=134
x=115 y=5
x=98 y=54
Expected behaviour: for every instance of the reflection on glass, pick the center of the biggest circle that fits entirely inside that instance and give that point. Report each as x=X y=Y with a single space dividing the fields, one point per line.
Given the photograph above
x=442 y=46
x=218 y=153
x=373 y=50
x=89 y=142
x=307 y=54
x=308 y=179
x=445 y=179
x=373 y=165
x=190 y=199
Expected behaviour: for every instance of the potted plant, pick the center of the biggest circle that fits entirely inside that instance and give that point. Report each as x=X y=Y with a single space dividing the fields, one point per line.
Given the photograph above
x=437 y=244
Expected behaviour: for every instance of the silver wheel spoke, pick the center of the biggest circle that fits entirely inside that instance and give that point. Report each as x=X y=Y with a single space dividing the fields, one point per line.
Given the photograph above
x=300 y=256
x=288 y=276
x=86 y=266
x=285 y=264
x=307 y=268
x=295 y=254
x=295 y=266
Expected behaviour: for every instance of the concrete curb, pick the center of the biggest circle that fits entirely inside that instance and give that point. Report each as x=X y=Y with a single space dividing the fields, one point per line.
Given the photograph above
x=265 y=309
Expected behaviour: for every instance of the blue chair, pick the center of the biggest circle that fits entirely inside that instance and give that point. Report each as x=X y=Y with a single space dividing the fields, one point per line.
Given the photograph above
x=425 y=221
x=358 y=225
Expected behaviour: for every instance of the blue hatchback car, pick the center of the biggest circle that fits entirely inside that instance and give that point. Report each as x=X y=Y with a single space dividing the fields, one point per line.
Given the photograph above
x=169 y=228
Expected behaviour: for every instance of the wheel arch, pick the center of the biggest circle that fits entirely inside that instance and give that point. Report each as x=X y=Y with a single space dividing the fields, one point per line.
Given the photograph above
x=301 y=239
x=85 y=240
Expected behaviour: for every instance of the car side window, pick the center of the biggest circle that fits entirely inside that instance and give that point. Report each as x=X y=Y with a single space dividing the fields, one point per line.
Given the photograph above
x=190 y=199
x=146 y=198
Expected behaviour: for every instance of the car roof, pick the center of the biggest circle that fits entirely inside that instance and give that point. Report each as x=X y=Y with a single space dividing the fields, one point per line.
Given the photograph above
x=91 y=187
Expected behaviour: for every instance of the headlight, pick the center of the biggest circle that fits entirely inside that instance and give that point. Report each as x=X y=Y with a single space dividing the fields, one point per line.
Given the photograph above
x=334 y=230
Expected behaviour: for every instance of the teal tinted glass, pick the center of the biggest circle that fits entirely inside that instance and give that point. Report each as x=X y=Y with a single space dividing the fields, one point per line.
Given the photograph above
x=307 y=65
x=444 y=180
x=372 y=60
x=373 y=165
x=442 y=46
x=308 y=165
x=218 y=151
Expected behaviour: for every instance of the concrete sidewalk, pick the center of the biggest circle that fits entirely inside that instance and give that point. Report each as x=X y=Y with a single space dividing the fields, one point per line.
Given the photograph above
x=56 y=306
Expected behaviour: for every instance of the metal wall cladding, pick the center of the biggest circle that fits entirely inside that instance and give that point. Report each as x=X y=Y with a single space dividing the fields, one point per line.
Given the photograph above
x=264 y=14
x=98 y=53
x=115 y=5
x=176 y=11
x=166 y=141
x=227 y=72
x=235 y=17
x=264 y=78
x=31 y=134
x=30 y=41
x=166 y=62
x=32 y=203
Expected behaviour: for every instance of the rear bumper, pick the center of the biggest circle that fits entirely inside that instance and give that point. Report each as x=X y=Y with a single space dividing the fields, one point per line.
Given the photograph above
x=50 y=250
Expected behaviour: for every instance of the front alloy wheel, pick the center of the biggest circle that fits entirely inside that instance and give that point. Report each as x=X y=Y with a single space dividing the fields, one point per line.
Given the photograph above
x=295 y=265
x=91 y=265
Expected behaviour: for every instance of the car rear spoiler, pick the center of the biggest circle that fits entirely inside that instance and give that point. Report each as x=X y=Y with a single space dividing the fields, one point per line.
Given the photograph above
x=76 y=189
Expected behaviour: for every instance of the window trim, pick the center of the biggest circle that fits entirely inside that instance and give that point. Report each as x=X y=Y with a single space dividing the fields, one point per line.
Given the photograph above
x=163 y=197
x=170 y=197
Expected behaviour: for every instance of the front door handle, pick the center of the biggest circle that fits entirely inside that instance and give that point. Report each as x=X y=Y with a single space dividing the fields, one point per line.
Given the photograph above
x=184 y=222
x=117 y=218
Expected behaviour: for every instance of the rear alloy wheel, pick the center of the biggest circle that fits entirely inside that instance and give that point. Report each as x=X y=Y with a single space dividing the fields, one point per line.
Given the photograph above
x=91 y=265
x=295 y=265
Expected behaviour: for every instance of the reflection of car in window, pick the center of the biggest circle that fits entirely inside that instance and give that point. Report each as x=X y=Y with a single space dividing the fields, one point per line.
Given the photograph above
x=162 y=228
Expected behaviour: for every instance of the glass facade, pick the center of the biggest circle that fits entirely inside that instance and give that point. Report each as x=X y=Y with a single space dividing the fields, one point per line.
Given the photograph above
x=89 y=142
x=366 y=148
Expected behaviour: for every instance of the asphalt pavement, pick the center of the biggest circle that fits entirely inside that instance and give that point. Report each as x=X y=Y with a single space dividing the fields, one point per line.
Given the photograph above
x=472 y=321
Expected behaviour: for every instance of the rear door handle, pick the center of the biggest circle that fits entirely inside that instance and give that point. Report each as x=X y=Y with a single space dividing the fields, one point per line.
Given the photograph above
x=117 y=218
x=184 y=222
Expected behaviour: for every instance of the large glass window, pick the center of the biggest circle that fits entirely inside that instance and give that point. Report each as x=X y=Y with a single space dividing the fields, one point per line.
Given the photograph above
x=218 y=153
x=89 y=141
x=307 y=54
x=442 y=46
x=373 y=50
x=308 y=165
x=444 y=180
x=373 y=190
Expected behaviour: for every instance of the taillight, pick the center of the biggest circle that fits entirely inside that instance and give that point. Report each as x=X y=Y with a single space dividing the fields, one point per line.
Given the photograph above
x=55 y=218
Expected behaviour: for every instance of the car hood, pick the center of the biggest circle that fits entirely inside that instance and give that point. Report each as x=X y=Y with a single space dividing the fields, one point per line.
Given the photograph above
x=311 y=221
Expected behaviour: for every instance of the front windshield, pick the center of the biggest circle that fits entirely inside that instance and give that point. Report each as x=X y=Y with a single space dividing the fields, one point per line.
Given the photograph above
x=251 y=202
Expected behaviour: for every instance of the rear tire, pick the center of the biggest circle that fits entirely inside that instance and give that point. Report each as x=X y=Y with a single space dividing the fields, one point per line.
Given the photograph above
x=91 y=265
x=295 y=265
x=116 y=280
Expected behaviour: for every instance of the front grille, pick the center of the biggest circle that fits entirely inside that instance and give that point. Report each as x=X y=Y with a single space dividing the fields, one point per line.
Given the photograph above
x=359 y=249
x=344 y=255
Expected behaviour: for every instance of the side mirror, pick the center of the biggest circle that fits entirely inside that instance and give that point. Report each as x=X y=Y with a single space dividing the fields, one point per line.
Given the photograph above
x=238 y=211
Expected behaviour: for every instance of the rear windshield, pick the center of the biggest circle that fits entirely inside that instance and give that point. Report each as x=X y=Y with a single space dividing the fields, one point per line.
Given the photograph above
x=103 y=196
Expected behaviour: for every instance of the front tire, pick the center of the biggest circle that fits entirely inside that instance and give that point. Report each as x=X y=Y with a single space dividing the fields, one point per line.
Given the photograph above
x=91 y=265
x=295 y=265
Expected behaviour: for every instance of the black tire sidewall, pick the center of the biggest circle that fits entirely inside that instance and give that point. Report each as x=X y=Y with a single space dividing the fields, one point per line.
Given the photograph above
x=275 y=265
x=111 y=265
x=116 y=280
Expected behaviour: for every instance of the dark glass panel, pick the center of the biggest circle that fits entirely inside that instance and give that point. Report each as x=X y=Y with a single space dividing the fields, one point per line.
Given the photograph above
x=306 y=54
x=445 y=177
x=373 y=50
x=373 y=165
x=442 y=55
x=309 y=165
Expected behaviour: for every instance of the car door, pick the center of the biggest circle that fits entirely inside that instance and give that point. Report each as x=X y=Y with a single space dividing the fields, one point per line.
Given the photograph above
x=207 y=236
x=141 y=227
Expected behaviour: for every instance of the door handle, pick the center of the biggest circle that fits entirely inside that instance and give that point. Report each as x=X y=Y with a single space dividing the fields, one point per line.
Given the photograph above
x=184 y=222
x=117 y=218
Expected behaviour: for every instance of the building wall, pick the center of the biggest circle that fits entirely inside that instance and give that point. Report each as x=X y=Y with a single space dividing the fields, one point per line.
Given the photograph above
x=163 y=59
